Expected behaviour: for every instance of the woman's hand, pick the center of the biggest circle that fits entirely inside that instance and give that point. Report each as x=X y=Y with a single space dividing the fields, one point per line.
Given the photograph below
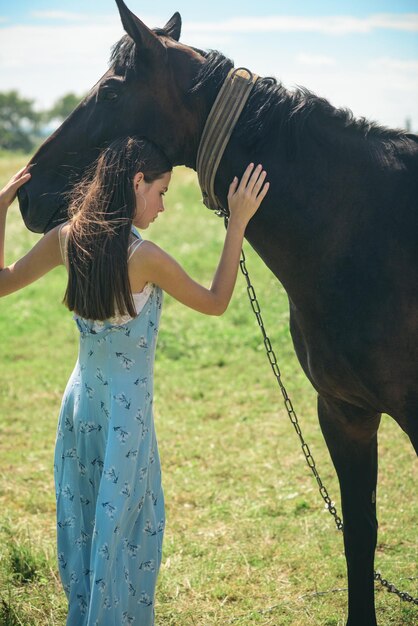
x=245 y=197
x=8 y=193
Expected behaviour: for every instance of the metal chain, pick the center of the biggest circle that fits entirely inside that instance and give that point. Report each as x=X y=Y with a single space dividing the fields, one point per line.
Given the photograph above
x=329 y=505
x=403 y=595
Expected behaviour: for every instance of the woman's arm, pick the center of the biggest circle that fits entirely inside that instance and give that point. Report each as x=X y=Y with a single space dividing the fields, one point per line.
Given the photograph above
x=42 y=258
x=157 y=267
x=7 y=195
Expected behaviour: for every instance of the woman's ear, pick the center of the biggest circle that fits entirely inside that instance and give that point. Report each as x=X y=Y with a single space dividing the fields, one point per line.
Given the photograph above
x=138 y=179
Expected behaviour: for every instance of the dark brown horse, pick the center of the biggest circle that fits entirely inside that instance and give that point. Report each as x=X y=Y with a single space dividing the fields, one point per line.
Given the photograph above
x=339 y=228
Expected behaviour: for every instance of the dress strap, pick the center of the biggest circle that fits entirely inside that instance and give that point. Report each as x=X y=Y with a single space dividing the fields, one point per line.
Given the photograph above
x=135 y=232
x=63 y=244
x=133 y=246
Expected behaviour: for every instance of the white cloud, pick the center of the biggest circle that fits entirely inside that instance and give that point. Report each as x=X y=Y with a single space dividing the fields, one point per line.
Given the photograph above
x=316 y=60
x=47 y=46
x=46 y=63
x=330 y=25
x=404 y=21
x=60 y=15
x=388 y=97
x=396 y=65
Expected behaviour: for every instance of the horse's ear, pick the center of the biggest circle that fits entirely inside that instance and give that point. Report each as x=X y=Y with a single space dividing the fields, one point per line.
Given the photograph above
x=141 y=34
x=173 y=26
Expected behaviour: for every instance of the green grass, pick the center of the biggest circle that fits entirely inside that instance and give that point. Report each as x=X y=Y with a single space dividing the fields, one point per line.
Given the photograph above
x=247 y=538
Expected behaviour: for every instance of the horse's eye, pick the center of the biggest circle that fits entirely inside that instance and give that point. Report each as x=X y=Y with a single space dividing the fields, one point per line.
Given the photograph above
x=108 y=94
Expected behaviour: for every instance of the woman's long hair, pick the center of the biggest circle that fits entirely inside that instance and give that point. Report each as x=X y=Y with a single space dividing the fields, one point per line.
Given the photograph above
x=101 y=209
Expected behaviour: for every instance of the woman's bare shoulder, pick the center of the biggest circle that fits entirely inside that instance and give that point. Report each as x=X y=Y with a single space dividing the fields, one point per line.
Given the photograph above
x=60 y=234
x=147 y=251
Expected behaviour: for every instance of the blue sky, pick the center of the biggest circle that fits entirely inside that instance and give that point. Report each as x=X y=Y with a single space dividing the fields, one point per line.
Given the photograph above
x=358 y=54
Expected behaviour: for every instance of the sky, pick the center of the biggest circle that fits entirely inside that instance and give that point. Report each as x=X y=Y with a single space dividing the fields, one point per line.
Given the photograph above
x=359 y=54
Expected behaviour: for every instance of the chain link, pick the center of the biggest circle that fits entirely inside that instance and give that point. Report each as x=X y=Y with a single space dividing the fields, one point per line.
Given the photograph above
x=403 y=595
x=329 y=505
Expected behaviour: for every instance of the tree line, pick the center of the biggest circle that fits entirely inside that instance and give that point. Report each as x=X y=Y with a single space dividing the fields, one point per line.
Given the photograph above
x=22 y=127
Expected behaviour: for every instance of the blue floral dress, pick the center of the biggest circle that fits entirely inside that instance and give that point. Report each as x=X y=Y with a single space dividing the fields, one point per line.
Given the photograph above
x=110 y=504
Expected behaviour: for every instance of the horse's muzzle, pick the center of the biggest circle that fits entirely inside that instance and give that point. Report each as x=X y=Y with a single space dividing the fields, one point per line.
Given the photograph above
x=23 y=199
x=39 y=210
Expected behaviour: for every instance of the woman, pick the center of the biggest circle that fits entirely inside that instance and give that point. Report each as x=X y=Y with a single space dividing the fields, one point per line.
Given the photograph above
x=110 y=506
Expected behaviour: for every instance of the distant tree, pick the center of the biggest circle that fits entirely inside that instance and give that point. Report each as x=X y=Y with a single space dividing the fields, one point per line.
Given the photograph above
x=19 y=122
x=63 y=107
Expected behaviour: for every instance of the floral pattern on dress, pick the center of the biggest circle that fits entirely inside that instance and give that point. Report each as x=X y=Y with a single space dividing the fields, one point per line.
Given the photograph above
x=110 y=504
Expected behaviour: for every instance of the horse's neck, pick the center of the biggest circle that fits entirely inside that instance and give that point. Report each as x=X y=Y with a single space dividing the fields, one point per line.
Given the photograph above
x=317 y=197
x=326 y=176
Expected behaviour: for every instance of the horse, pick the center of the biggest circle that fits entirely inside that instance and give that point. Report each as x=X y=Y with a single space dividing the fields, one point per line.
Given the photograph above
x=339 y=229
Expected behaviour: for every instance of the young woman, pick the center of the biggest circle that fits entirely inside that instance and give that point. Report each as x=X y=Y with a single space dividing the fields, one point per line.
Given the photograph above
x=110 y=506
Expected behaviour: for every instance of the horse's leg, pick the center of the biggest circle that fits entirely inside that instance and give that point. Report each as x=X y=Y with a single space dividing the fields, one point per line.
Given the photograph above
x=411 y=430
x=351 y=437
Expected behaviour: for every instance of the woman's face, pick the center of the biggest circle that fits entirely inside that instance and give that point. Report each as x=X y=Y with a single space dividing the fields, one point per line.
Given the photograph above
x=149 y=198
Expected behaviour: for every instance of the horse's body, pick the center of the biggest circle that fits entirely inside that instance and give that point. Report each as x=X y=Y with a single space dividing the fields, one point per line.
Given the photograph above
x=339 y=228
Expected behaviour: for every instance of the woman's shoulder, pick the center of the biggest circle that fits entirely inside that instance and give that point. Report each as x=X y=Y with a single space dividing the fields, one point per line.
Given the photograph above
x=56 y=236
x=61 y=232
x=146 y=250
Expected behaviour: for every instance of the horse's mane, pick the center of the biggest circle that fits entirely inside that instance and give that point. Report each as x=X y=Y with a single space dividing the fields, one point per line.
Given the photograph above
x=273 y=109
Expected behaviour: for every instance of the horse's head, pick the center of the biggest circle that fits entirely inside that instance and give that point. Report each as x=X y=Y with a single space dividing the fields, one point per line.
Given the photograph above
x=145 y=92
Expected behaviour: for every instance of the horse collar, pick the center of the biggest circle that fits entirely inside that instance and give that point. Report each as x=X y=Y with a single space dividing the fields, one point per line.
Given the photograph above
x=221 y=121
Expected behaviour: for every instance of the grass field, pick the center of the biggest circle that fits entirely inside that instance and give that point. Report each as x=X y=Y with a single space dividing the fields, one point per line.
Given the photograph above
x=248 y=540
